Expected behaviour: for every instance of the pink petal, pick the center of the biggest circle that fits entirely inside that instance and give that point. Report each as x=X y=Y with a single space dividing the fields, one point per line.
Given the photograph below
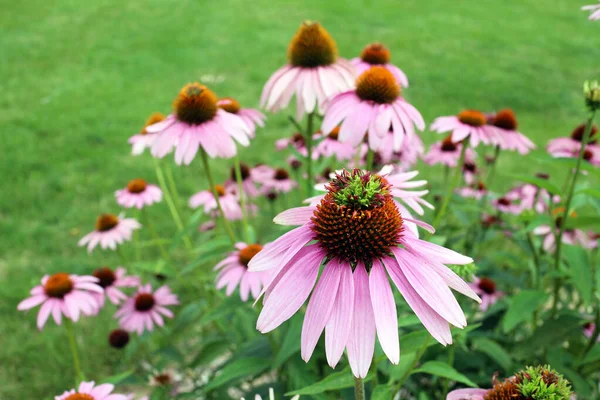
x=337 y=330
x=384 y=310
x=295 y=216
x=280 y=251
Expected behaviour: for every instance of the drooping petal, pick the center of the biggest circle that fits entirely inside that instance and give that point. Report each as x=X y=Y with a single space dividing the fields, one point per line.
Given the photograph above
x=338 y=327
x=384 y=311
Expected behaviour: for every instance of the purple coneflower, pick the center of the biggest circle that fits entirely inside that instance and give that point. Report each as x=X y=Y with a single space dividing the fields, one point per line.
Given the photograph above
x=377 y=54
x=470 y=124
x=110 y=231
x=139 y=194
x=146 y=308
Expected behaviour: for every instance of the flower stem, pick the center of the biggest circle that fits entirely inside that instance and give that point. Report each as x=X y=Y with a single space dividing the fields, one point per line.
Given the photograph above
x=170 y=203
x=370 y=157
x=571 y=190
x=213 y=189
x=490 y=178
x=309 y=149
x=154 y=234
x=453 y=183
x=73 y=345
x=124 y=259
x=172 y=186
x=238 y=177
x=414 y=364
x=359 y=389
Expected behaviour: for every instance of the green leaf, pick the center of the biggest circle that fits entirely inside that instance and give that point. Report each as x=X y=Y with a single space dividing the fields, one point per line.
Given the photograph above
x=243 y=367
x=494 y=351
x=383 y=393
x=542 y=183
x=116 y=379
x=210 y=352
x=522 y=307
x=290 y=344
x=444 y=370
x=593 y=355
x=336 y=381
x=588 y=192
x=408 y=320
x=415 y=341
x=584 y=222
x=580 y=271
x=403 y=367
x=192 y=223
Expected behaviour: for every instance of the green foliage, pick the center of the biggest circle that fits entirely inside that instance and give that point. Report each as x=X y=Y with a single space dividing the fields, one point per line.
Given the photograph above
x=543 y=383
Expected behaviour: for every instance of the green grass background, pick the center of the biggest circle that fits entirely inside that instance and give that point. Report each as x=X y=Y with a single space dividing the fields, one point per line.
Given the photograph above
x=78 y=78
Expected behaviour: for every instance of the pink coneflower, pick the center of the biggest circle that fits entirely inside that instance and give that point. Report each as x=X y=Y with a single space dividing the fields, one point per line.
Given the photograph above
x=595 y=11
x=470 y=171
x=144 y=140
x=357 y=230
x=232 y=209
x=470 y=124
x=508 y=204
x=475 y=191
x=405 y=158
x=330 y=146
x=314 y=73
x=486 y=289
x=111 y=281
x=145 y=308
x=250 y=177
x=138 y=194
x=377 y=54
x=110 y=231
x=588 y=330
x=279 y=182
x=197 y=122
x=118 y=338
x=89 y=391
x=447 y=153
x=374 y=106
x=528 y=194
x=467 y=394
x=508 y=137
x=63 y=294
x=575 y=237
x=569 y=147
x=297 y=142
x=250 y=116
x=234 y=272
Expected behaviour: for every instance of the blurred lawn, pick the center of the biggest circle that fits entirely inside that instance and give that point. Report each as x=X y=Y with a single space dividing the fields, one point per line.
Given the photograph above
x=78 y=78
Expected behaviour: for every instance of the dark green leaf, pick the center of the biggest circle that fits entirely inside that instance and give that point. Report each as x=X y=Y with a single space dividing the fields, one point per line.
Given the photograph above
x=444 y=370
x=335 y=381
x=291 y=342
x=382 y=392
x=415 y=341
x=580 y=271
x=116 y=379
x=584 y=222
x=494 y=351
x=244 y=367
x=522 y=307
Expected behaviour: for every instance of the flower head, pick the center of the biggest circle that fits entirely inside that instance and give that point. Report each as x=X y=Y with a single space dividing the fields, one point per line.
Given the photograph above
x=591 y=90
x=374 y=106
x=314 y=73
x=63 y=294
x=250 y=178
x=508 y=138
x=359 y=234
x=447 y=152
x=471 y=124
x=146 y=308
x=486 y=289
x=139 y=194
x=118 y=338
x=110 y=231
x=250 y=116
x=228 y=198
x=111 y=281
x=330 y=146
x=198 y=122
x=145 y=139
x=278 y=181
x=91 y=391
x=569 y=147
x=377 y=54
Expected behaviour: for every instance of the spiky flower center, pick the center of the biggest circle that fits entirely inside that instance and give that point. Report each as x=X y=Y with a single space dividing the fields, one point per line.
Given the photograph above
x=298 y=140
x=229 y=104
x=118 y=338
x=505 y=119
x=312 y=46
x=503 y=201
x=472 y=117
x=195 y=104
x=448 y=145
x=578 y=132
x=281 y=174
x=487 y=285
x=153 y=119
x=469 y=167
x=245 y=172
x=481 y=187
x=106 y=276
x=376 y=54
x=163 y=379
x=247 y=253
x=144 y=301
x=220 y=189
x=333 y=135
x=80 y=396
x=106 y=222
x=506 y=390
x=357 y=220
x=588 y=155
x=58 y=285
x=377 y=84
x=136 y=186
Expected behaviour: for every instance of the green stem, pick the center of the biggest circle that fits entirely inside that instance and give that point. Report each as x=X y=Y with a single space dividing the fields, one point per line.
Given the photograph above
x=238 y=177
x=170 y=203
x=73 y=345
x=124 y=259
x=172 y=186
x=451 y=352
x=452 y=185
x=563 y=224
x=413 y=365
x=213 y=188
x=359 y=389
x=535 y=278
x=370 y=157
x=309 y=149
x=490 y=178
x=154 y=234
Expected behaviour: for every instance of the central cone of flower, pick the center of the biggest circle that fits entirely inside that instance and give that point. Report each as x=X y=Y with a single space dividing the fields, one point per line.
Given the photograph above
x=246 y=254
x=245 y=172
x=163 y=379
x=357 y=219
x=588 y=155
x=220 y=189
x=298 y=139
x=281 y=174
x=106 y=222
x=377 y=84
x=333 y=135
x=504 y=201
x=472 y=117
x=448 y=144
x=118 y=338
x=136 y=186
x=58 y=285
x=506 y=390
x=487 y=285
x=469 y=167
x=106 y=276
x=376 y=54
x=195 y=104
x=153 y=119
x=312 y=46
x=506 y=120
x=229 y=104
x=80 y=396
x=144 y=301
x=578 y=132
